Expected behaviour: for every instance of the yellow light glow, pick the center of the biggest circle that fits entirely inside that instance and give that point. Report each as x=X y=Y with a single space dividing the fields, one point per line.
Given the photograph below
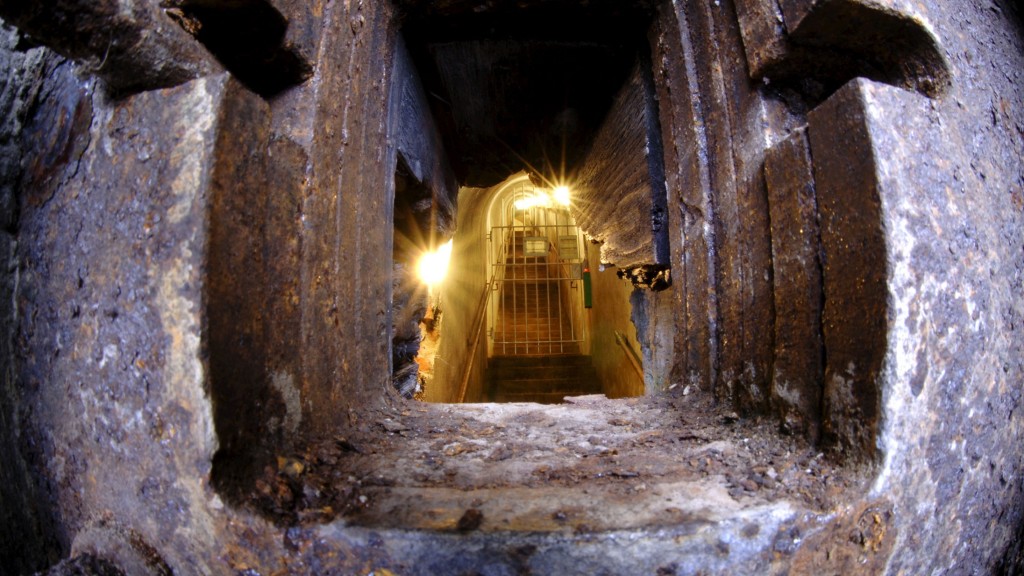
x=536 y=200
x=433 y=266
x=561 y=195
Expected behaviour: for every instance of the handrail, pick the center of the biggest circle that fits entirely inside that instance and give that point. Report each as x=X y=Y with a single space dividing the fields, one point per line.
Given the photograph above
x=622 y=341
x=480 y=315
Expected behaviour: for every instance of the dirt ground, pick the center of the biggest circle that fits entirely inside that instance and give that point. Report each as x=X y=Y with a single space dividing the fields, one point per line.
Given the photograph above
x=590 y=464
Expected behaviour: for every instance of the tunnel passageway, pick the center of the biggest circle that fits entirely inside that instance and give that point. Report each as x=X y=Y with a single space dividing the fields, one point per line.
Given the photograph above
x=777 y=323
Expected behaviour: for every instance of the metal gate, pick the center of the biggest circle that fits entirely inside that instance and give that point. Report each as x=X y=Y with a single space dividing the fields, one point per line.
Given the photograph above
x=536 y=258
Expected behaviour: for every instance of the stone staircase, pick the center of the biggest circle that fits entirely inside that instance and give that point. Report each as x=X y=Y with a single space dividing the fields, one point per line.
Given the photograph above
x=541 y=379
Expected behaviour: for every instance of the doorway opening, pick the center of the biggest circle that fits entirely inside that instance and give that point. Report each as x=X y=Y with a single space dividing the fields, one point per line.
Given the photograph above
x=536 y=274
x=429 y=466
x=538 y=293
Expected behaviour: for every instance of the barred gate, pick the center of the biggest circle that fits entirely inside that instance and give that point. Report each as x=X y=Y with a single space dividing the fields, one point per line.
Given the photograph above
x=536 y=260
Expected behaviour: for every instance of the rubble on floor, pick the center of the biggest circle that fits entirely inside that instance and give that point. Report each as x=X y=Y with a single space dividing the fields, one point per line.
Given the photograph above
x=590 y=464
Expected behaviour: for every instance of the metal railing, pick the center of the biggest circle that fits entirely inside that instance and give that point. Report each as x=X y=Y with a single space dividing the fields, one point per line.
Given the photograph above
x=476 y=331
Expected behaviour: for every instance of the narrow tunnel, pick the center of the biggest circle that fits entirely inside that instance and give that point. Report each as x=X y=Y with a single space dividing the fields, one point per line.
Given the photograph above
x=515 y=318
x=527 y=306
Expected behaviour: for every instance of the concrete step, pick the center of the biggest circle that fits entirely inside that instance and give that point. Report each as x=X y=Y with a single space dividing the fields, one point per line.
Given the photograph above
x=555 y=366
x=550 y=385
x=543 y=379
x=538 y=398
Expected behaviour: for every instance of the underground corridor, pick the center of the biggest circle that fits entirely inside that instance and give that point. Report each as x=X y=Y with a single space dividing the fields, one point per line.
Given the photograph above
x=410 y=287
x=532 y=329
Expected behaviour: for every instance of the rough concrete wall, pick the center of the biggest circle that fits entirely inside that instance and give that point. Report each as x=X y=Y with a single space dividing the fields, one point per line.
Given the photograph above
x=921 y=364
x=951 y=424
x=854 y=282
x=415 y=136
x=919 y=200
x=740 y=123
x=797 y=372
x=691 y=211
x=122 y=386
x=424 y=210
x=253 y=406
x=946 y=178
x=718 y=125
x=112 y=348
x=332 y=131
x=817 y=45
x=610 y=321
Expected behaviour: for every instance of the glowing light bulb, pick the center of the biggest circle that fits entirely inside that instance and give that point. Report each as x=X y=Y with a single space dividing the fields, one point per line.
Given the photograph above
x=561 y=195
x=433 y=266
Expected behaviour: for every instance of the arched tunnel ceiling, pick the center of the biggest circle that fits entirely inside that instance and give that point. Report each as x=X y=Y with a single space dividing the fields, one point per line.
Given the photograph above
x=521 y=84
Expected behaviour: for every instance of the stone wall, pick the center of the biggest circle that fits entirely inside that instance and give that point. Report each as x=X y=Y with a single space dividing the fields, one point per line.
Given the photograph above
x=28 y=541
x=897 y=179
x=619 y=198
x=458 y=361
x=112 y=357
x=133 y=45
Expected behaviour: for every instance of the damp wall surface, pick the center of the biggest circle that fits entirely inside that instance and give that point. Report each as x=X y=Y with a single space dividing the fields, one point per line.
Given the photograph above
x=29 y=540
x=915 y=181
x=111 y=360
x=194 y=269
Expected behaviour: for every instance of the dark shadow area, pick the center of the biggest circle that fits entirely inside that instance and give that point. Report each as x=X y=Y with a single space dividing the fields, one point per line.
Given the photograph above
x=522 y=85
x=247 y=37
x=413 y=216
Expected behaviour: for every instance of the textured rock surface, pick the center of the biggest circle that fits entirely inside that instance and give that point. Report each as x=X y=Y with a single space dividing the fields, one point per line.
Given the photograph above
x=111 y=349
x=133 y=45
x=719 y=142
x=814 y=46
x=853 y=237
x=36 y=79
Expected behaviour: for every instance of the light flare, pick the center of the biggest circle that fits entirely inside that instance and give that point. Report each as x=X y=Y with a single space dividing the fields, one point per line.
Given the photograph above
x=561 y=195
x=433 y=266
